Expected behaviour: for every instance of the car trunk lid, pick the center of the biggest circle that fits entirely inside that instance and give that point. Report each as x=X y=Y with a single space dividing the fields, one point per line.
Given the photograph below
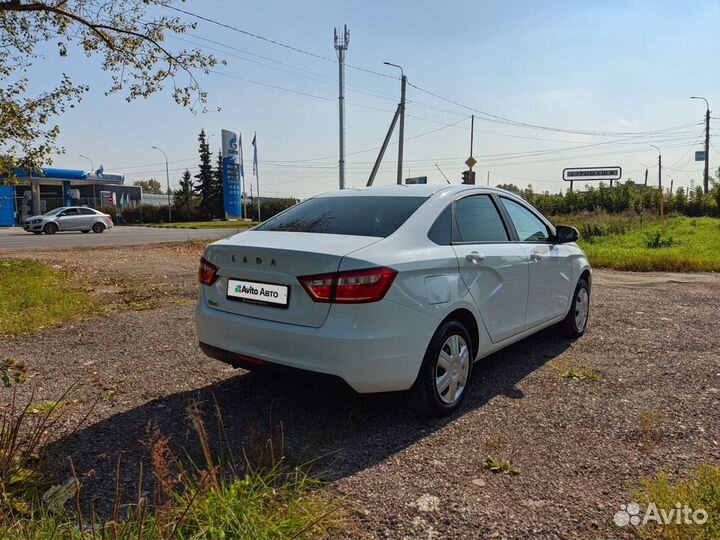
x=253 y=258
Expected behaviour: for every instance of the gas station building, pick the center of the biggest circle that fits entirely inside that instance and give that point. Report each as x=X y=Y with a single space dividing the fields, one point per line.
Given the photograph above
x=40 y=192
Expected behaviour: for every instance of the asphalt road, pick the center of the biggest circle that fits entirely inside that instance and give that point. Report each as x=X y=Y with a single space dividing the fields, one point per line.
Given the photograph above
x=16 y=239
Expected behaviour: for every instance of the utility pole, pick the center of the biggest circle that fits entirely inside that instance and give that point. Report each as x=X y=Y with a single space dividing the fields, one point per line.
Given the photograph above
x=706 y=182
x=401 y=143
x=167 y=176
x=662 y=211
x=659 y=166
x=341 y=45
x=646 y=173
x=488 y=178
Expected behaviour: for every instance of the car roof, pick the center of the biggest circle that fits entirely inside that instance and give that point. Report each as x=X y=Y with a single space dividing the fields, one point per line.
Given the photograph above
x=413 y=190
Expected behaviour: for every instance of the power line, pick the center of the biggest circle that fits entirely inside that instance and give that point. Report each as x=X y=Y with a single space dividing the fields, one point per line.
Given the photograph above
x=502 y=119
x=273 y=41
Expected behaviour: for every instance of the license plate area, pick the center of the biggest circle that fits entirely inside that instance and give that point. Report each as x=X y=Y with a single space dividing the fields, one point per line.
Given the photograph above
x=254 y=292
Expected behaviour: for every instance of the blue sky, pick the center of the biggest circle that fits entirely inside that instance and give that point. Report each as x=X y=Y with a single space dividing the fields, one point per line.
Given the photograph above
x=611 y=66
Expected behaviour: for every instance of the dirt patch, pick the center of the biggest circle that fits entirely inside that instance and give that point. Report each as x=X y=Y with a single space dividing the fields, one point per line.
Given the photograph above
x=579 y=443
x=130 y=277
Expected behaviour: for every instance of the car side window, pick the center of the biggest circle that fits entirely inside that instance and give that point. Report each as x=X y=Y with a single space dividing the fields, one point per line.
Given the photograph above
x=87 y=212
x=529 y=227
x=70 y=212
x=441 y=230
x=478 y=220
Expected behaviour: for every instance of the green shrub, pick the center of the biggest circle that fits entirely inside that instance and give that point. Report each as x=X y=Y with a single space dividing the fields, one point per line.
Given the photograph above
x=655 y=240
x=700 y=491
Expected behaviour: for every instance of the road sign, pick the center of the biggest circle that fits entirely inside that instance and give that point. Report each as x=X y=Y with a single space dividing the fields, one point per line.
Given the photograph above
x=592 y=173
x=700 y=155
x=470 y=162
x=416 y=180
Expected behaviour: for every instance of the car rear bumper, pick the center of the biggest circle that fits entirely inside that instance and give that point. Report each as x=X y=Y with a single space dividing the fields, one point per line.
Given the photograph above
x=375 y=347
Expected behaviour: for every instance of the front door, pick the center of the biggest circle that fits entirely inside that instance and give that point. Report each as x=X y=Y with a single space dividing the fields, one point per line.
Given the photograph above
x=69 y=220
x=550 y=265
x=494 y=269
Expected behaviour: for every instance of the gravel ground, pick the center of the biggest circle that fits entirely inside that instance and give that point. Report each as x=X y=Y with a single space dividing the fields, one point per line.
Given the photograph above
x=580 y=445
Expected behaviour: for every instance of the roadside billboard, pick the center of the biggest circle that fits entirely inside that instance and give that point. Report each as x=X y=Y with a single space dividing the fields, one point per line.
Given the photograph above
x=232 y=180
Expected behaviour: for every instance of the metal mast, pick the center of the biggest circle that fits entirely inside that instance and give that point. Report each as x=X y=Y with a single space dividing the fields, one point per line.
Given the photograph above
x=341 y=45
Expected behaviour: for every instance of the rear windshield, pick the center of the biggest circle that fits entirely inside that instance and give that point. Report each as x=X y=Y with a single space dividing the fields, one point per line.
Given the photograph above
x=357 y=216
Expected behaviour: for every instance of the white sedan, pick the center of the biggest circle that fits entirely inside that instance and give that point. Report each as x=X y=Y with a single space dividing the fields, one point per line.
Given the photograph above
x=392 y=288
x=69 y=218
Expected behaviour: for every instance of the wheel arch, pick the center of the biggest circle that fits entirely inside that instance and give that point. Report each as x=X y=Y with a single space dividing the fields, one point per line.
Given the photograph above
x=468 y=320
x=586 y=274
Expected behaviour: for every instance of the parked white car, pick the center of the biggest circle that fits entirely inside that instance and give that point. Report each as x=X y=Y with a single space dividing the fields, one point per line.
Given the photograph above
x=69 y=218
x=392 y=288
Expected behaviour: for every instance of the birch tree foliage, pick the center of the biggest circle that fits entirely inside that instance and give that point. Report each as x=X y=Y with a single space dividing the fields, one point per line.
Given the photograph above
x=127 y=36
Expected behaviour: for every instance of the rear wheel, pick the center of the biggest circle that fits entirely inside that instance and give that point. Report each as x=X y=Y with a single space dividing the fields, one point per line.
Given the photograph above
x=50 y=228
x=98 y=228
x=445 y=372
x=575 y=322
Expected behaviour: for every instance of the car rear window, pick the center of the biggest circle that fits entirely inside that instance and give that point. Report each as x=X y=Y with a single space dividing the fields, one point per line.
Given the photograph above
x=354 y=215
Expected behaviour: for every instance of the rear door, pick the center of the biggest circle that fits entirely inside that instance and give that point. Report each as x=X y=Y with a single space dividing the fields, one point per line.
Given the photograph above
x=494 y=269
x=69 y=220
x=550 y=264
x=87 y=218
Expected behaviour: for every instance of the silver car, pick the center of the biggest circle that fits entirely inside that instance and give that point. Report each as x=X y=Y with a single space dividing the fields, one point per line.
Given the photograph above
x=69 y=218
x=392 y=288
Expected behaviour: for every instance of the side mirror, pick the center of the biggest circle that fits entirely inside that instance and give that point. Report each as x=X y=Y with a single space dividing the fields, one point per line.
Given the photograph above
x=565 y=234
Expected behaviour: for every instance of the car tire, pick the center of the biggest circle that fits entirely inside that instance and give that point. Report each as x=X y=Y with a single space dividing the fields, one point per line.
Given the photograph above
x=50 y=228
x=445 y=370
x=575 y=322
x=98 y=228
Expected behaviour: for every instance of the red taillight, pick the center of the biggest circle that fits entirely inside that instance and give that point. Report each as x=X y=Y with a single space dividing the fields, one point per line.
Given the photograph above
x=207 y=273
x=352 y=287
x=110 y=218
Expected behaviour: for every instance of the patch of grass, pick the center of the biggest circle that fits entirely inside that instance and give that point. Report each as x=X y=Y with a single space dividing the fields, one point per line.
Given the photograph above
x=205 y=225
x=651 y=423
x=12 y=372
x=47 y=407
x=699 y=491
x=677 y=244
x=504 y=466
x=34 y=296
x=192 y=499
x=567 y=369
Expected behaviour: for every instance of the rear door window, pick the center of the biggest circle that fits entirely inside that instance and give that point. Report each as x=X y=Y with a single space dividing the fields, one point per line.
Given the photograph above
x=87 y=212
x=441 y=230
x=352 y=215
x=478 y=220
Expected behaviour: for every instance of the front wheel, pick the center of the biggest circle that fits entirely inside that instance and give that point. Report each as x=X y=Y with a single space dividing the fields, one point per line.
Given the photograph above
x=51 y=228
x=442 y=382
x=575 y=322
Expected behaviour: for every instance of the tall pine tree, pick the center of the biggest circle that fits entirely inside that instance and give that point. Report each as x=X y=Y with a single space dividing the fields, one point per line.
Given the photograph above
x=185 y=199
x=218 y=188
x=205 y=187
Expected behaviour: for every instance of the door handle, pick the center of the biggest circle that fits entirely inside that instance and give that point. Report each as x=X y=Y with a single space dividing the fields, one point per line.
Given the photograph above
x=475 y=257
x=534 y=257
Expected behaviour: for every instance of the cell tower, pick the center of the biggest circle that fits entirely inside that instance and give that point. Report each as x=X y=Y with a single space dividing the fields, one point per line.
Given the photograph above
x=341 y=45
